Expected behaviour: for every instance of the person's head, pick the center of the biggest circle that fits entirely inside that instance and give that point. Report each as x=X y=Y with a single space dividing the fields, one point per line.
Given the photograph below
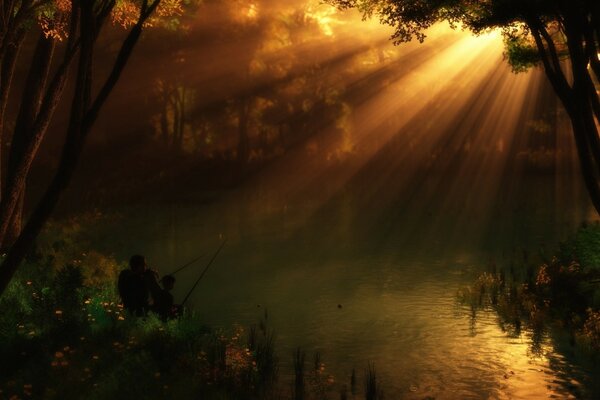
x=168 y=281
x=137 y=263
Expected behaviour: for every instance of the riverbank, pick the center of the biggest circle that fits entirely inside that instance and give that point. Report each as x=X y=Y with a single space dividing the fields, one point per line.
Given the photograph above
x=400 y=313
x=554 y=294
x=64 y=335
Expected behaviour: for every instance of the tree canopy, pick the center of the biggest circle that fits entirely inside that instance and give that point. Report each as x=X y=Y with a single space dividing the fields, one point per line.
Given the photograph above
x=70 y=27
x=561 y=36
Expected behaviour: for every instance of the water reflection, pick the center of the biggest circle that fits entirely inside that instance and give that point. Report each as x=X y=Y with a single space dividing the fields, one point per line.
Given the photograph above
x=398 y=296
x=438 y=187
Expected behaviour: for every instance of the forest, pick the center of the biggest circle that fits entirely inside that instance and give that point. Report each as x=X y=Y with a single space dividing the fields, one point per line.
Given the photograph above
x=299 y=199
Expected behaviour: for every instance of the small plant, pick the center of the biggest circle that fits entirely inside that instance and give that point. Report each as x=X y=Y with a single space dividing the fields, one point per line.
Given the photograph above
x=372 y=391
x=299 y=358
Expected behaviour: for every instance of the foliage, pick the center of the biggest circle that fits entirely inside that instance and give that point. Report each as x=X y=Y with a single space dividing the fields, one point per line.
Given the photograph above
x=545 y=32
x=584 y=247
x=563 y=292
x=53 y=16
x=521 y=53
x=126 y=13
x=63 y=335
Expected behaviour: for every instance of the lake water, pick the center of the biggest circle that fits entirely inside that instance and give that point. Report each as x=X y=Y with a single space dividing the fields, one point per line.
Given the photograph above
x=358 y=251
x=394 y=271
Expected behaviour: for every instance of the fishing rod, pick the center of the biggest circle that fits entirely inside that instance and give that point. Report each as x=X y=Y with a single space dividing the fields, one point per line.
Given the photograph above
x=187 y=265
x=203 y=272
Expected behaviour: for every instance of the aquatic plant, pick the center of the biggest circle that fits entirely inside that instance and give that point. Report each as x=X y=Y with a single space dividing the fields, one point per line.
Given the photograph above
x=298 y=388
x=561 y=291
x=372 y=389
x=65 y=336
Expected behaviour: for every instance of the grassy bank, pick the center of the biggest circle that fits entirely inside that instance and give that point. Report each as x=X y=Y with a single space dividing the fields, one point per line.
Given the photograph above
x=64 y=335
x=547 y=293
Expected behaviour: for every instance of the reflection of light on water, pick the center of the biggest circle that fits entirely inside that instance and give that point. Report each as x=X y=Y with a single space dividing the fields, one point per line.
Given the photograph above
x=533 y=368
x=457 y=101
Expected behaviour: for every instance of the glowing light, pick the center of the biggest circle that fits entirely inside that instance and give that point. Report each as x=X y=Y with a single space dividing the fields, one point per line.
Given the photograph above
x=252 y=11
x=246 y=13
x=324 y=16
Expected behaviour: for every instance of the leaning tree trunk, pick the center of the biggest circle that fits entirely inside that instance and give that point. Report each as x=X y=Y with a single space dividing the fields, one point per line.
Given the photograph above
x=84 y=113
x=8 y=62
x=29 y=111
x=30 y=133
x=576 y=99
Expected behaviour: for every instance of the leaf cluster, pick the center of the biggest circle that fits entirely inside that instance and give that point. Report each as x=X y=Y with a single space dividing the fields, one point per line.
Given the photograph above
x=412 y=18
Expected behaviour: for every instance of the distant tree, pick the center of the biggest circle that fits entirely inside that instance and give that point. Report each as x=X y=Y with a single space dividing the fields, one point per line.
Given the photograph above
x=81 y=22
x=561 y=35
x=173 y=120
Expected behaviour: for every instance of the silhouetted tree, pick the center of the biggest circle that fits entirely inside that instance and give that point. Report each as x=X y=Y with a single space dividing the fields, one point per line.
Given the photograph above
x=561 y=35
x=84 y=26
x=16 y=17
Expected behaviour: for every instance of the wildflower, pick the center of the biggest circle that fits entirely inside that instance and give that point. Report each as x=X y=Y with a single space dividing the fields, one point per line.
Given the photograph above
x=543 y=277
x=59 y=354
x=58 y=312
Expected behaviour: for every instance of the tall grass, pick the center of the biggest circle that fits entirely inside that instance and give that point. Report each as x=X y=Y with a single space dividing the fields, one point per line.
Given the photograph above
x=64 y=335
x=299 y=364
x=372 y=389
x=539 y=294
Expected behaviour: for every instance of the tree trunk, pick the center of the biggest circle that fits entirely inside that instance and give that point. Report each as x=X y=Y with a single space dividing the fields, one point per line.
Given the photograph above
x=16 y=221
x=8 y=63
x=243 y=140
x=575 y=99
x=164 y=122
x=29 y=110
x=35 y=113
x=181 y=126
x=589 y=166
x=84 y=113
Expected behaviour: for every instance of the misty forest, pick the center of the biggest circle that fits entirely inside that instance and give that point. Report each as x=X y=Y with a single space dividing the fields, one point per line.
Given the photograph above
x=299 y=199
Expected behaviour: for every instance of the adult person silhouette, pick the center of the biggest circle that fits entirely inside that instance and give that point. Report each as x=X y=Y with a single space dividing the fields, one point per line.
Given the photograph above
x=136 y=284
